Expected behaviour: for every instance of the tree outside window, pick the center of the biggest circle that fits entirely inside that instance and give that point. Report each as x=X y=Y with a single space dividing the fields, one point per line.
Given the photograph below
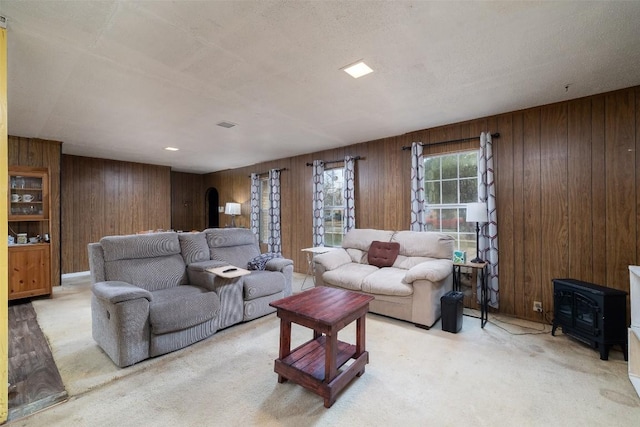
x=450 y=182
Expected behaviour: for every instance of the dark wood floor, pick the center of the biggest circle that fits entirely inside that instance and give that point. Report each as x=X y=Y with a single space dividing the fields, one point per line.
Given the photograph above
x=34 y=380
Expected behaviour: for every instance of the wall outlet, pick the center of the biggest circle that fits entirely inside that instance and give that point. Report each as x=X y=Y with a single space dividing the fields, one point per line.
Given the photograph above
x=537 y=306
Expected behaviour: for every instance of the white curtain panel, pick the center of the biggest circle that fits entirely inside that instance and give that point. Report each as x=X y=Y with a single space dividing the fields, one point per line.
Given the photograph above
x=349 y=194
x=255 y=205
x=489 y=231
x=318 y=203
x=274 y=243
x=417 y=188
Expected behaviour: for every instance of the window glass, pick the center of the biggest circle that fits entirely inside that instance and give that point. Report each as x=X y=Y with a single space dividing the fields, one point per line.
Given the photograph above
x=333 y=206
x=451 y=181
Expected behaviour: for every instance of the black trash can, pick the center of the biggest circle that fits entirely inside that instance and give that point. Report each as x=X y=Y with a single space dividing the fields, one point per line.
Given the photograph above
x=452 y=306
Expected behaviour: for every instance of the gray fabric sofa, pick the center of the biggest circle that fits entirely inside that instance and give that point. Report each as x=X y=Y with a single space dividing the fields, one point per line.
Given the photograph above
x=151 y=294
x=409 y=289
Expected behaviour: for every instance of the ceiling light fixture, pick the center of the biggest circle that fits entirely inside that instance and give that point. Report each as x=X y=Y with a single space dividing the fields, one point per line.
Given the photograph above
x=226 y=124
x=171 y=148
x=358 y=69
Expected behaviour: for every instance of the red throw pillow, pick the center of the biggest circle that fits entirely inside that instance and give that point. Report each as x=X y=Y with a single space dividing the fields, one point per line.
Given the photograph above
x=383 y=254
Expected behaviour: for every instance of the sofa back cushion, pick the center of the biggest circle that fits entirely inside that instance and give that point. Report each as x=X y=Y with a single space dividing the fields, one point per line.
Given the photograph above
x=383 y=254
x=361 y=238
x=428 y=244
x=150 y=261
x=194 y=247
x=237 y=246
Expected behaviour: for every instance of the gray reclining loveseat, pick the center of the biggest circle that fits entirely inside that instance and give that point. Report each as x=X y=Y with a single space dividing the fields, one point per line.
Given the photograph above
x=152 y=294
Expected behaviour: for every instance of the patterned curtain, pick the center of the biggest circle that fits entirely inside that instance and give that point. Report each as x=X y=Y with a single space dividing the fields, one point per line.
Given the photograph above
x=255 y=205
x=275 y=243
x=349 y=194
x=318 y=203
x=489 y=232
x=417 y=188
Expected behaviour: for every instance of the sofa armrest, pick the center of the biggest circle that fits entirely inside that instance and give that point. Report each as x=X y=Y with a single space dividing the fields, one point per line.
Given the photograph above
x=433 y=271
x=115 y=291
x=277 y=264
x=332 y=259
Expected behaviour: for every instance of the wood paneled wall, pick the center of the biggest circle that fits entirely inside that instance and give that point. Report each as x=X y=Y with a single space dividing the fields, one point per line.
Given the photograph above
x=567 y=191
x=107 y=197
x=187 y=201
x=43 y=153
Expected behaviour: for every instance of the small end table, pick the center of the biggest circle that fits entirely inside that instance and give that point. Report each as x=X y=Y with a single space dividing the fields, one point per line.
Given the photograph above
x=319 y=364
x=311 y=252
x=481 y=267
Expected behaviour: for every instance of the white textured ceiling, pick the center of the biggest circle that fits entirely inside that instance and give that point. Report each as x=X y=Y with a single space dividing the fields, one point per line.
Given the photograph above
x=124 y=79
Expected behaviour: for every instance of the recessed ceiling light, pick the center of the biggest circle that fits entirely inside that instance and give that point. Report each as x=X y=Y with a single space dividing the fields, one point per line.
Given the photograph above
x=358 y=69
x=171 y=148
x=226 y=124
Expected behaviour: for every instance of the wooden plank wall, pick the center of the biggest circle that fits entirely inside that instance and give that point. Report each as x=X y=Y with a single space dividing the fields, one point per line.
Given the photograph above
x=567 y=192
x=43 y=153
x=108 y=197
x=187 y=201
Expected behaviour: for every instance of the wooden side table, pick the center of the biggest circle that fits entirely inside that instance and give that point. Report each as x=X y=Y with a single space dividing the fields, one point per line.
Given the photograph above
x=317 y=364
x=484 y=291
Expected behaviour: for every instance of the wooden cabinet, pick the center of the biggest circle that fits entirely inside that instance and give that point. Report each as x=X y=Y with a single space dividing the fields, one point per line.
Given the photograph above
x=29 y=270
x=29 y=214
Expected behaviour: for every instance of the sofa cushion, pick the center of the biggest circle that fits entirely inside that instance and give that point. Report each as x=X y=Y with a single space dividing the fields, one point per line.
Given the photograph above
x=408 y=262
x=149 y=273
x=357 y=255
x=140 y=246
x=259 y=262
x=262 y=283
x=387 y=281
x=361 y=238
x=233 y=245
x=349 y=276
x=332 y=259
x=424 y=244
x=383 y=254
x=181 y=307
x=433 y=271
x=194 y=247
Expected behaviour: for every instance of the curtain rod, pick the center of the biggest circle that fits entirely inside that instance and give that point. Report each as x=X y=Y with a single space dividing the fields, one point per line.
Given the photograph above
x=264 y=173
x=335 y=161
x=493 y=135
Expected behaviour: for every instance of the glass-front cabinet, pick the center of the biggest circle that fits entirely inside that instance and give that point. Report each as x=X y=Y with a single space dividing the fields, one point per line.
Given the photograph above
x=28 y=194
x=28 y=229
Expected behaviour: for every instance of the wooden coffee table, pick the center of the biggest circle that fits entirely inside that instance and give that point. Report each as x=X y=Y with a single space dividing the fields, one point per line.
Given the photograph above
x=318 y=364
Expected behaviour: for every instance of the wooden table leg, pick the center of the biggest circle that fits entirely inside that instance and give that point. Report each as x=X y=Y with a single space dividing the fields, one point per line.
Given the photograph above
x=360 y=338
x=331 y=356
x=285 y=343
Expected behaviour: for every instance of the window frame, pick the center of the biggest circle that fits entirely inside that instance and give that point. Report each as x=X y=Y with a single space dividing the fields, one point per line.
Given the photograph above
x=333 y=209
x=450 y=217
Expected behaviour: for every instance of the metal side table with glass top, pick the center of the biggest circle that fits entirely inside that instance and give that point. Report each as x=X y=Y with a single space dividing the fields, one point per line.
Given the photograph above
x=481 y=267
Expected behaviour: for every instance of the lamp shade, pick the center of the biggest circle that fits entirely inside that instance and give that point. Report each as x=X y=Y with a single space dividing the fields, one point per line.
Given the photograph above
x=232 y=209
x=477 y=212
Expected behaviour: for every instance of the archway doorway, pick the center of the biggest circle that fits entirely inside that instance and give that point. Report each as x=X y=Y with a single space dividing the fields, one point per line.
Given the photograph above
x=212 y=203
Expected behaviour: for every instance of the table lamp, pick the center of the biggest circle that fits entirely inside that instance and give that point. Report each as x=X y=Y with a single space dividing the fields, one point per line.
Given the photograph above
x=232 y=209
x=477 y=212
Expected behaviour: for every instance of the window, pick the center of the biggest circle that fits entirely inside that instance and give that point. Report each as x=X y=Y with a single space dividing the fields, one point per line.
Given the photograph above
x=450 y=182
x=333 y=206
x=265 y=190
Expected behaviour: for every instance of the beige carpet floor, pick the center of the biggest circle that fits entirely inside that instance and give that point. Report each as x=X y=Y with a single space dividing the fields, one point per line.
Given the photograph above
x=502 y=375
